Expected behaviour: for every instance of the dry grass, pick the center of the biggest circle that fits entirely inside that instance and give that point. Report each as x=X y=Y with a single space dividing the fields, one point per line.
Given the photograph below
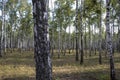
x=17 y=66
x=66 y=68
x=20 y=66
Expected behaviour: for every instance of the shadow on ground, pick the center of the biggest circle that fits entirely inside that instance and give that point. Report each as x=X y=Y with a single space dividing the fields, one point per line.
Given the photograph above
x=69 y=60
x=96 y=75
x=20 y=78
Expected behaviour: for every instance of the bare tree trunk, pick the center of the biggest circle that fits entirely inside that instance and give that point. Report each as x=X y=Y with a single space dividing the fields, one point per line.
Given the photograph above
x=0 y=44
x=85 y=38
x=64 y=46
x=113 y=41
x=52 y=34
x=77 y=57
x=4 y=29
x=52 y=45
x=109 y=41
x=59 y=42
x=69 y=39
x=89 y=38
x=100 y=35
x=41 y=40
x=81 y=34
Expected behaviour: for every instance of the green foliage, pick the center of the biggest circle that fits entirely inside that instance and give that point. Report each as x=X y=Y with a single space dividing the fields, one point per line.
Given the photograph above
x=64 y=12
x=19 y=18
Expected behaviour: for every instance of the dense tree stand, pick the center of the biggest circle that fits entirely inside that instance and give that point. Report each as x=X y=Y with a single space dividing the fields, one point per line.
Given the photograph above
x=82 y=37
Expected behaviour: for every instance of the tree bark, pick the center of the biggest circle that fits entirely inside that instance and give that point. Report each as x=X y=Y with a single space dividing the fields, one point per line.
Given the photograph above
x=69 y=40
x=100 y=35
x=59 y=42
x=89 y=37
x=81 y=34
x=77 y=57
x=85 y=38
x=41 y=40
x=109 y=41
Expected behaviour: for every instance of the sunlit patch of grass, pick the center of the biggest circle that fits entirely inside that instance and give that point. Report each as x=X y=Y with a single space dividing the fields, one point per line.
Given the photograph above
x=17 y=64
x=16 y=70
x=73 y=69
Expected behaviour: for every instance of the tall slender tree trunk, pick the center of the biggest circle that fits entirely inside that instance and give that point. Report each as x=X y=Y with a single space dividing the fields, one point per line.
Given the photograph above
x=10 y=41
x=100 y=35
x=0 y=49
x=113 y=41
x=52 y=45
x=100 y=40
x=52 y=33
x=41 y=40
x=64 y=46
x=82 y=52
x=59 y=42
x=81 y=35
x=93 y=44
x=69 y=39
x=95 y=41
x=3 y=28
x=89 y=37
x=109 y=41
x=118 y=45
x=85 y=38
x=77 y=57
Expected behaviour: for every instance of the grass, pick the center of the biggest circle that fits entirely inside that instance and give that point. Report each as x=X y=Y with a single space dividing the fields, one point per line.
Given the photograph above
x=20 y=66
x=14 y=65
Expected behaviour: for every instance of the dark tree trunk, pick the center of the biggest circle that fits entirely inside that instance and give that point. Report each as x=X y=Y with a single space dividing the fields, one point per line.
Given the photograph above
x=64 y=46
x=0 y=48
x=100 y=40
x=59 y=42
x=85 y=38
x=52 y=33
x=52 y=45
x=76 y=58
x=118 y=47
x=81 y=34
x=109 y=41
x=41 y=41
x=89 y=37
x=100 y=35
x=113 y=34
x=69 y=40
x=81 y=51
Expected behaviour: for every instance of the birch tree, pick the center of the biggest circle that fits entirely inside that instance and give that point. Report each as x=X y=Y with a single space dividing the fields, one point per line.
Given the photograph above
x=41 y=40
x=109 y=41
x=76 y=24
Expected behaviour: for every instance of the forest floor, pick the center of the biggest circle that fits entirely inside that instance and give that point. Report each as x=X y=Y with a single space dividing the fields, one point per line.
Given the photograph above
x=20 y=66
